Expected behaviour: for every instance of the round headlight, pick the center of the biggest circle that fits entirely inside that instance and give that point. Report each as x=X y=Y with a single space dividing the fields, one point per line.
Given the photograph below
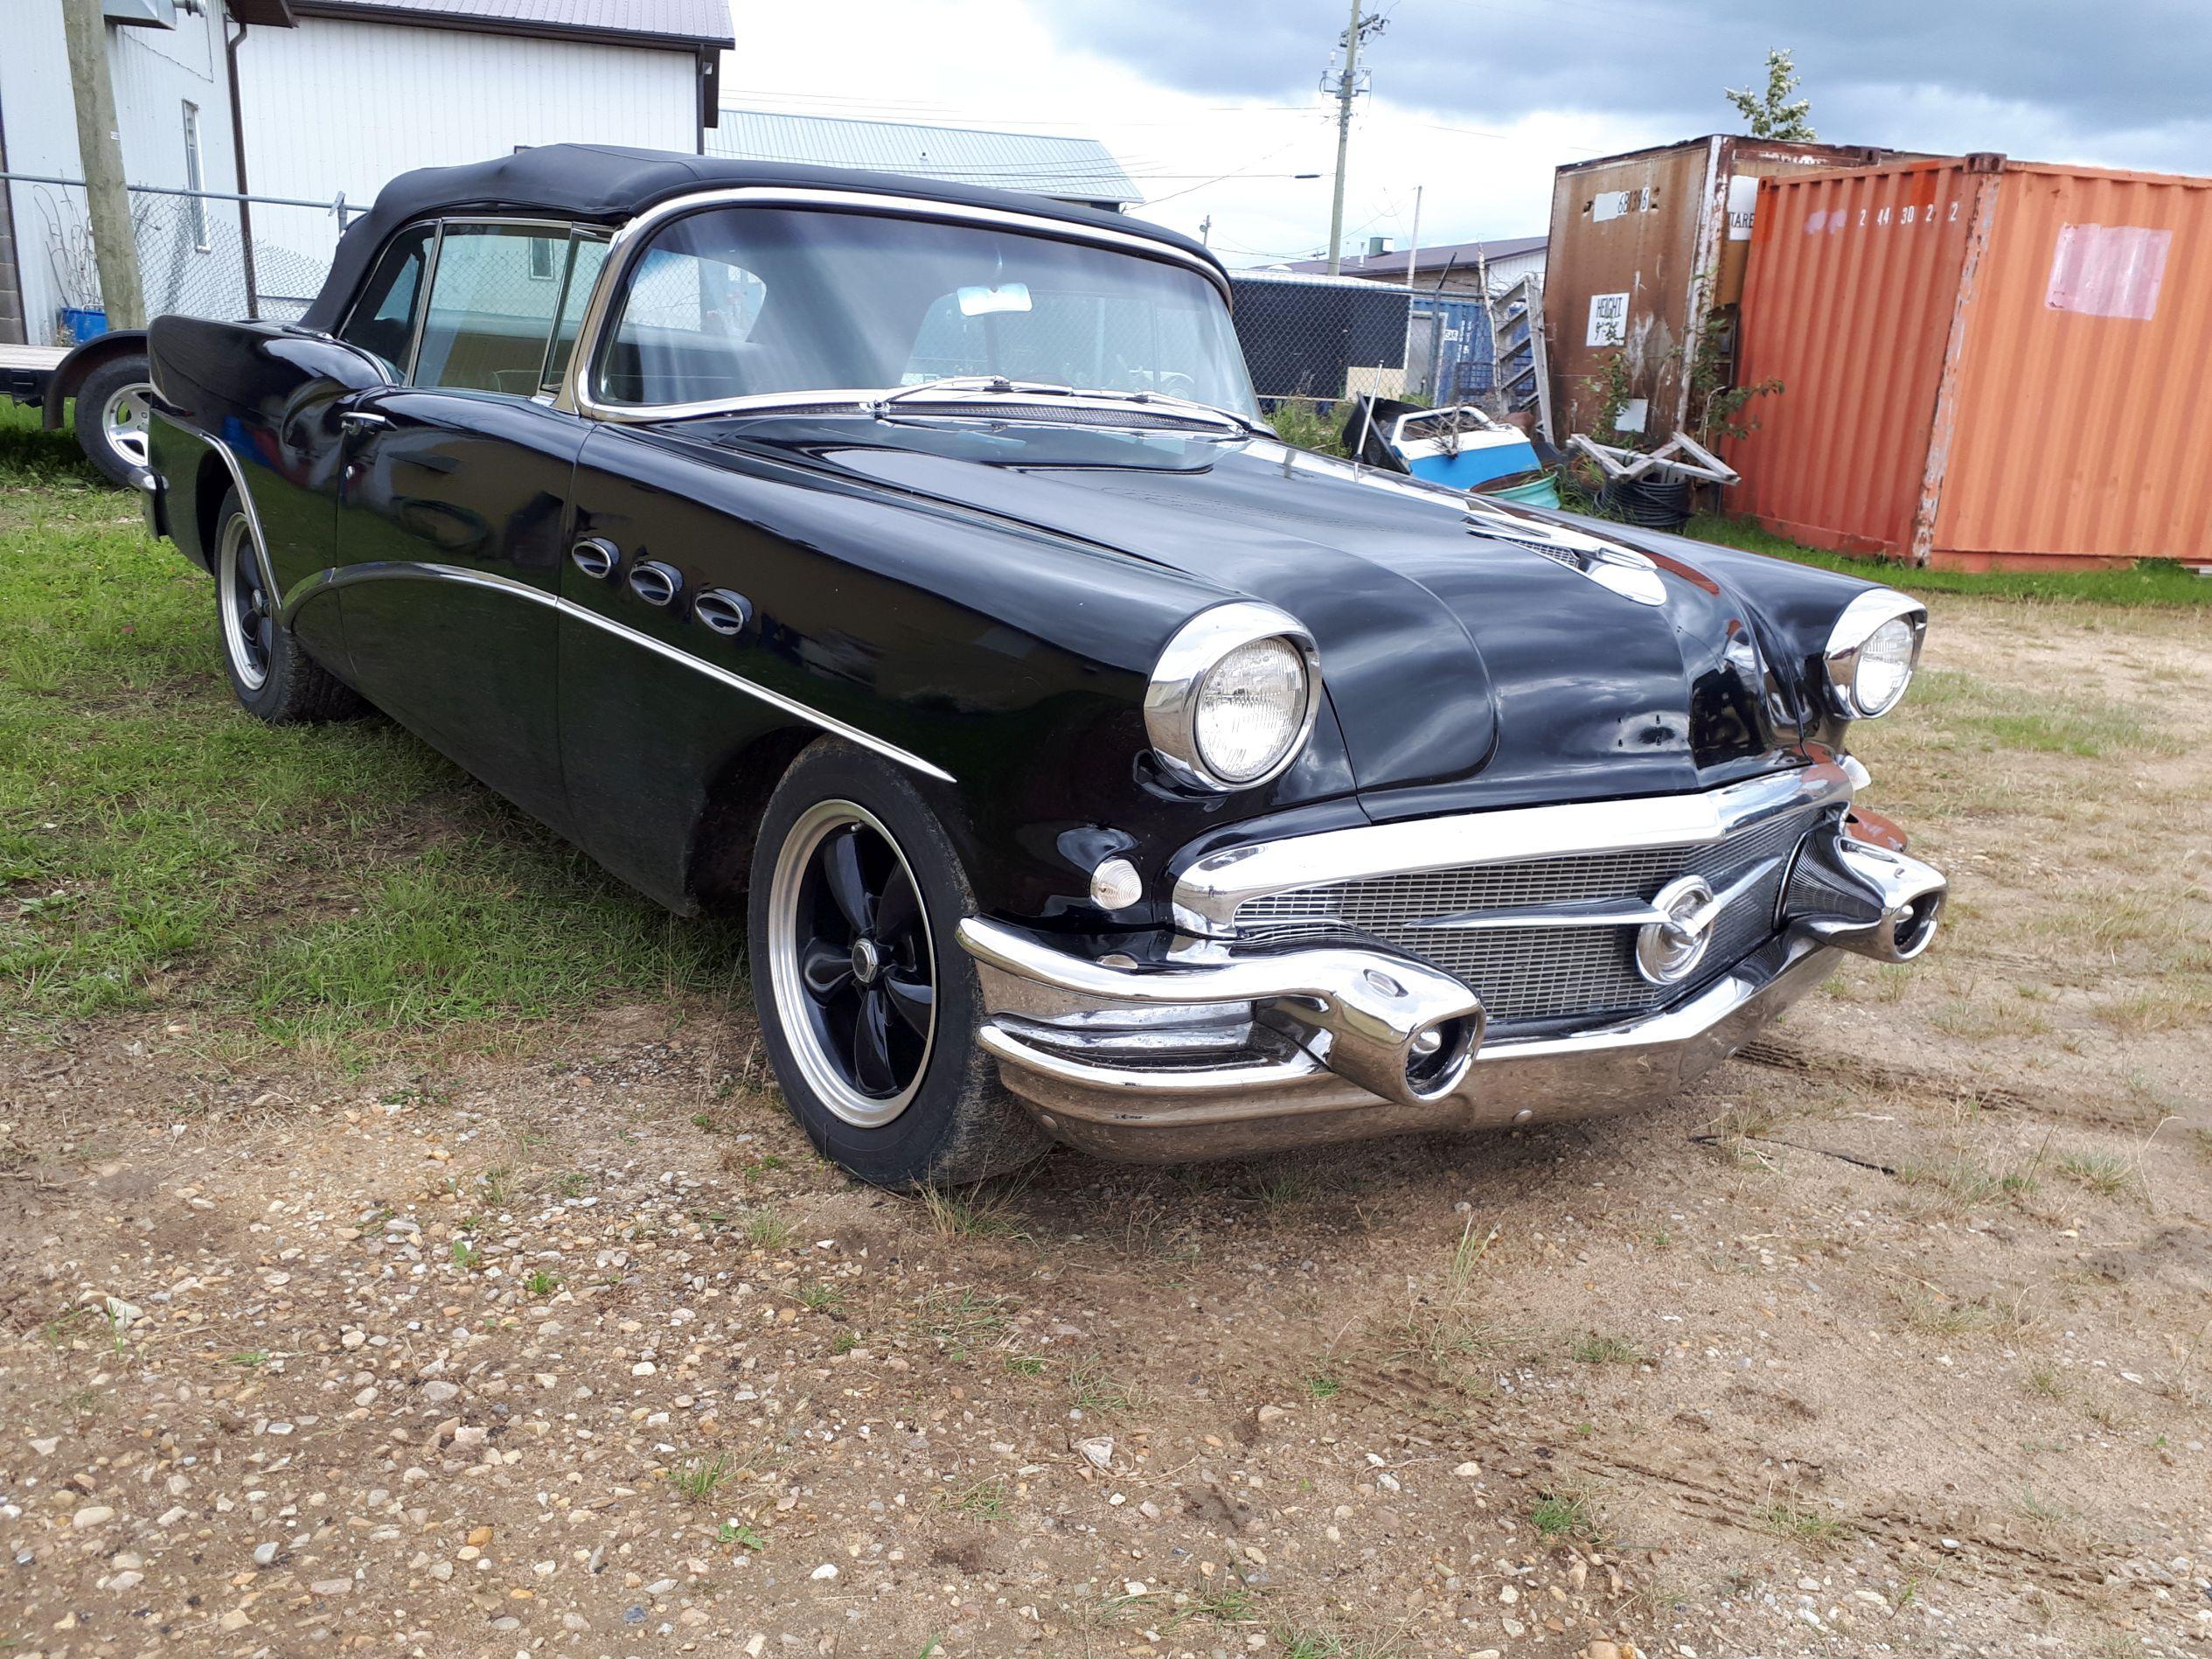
x=1872 y=652
x=1250 y=706
x=1885 y=667
x=1233 y=697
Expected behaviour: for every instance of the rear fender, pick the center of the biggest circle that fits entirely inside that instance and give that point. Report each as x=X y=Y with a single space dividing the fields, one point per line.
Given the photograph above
x=253 y=407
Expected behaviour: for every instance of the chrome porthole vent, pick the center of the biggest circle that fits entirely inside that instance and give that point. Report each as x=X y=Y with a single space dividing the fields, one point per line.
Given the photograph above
x=596 y=557
x=721 y=611
x=655 y=583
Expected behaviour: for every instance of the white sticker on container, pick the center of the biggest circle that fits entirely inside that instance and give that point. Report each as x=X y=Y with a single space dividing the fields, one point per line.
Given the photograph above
x=1744 y=202
x=1608 y=319
x=2108 y=270
x=1609 y=203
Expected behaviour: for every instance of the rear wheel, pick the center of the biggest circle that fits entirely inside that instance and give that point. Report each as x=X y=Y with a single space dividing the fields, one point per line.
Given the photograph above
x=273 y=678
x=112 y=405
x=868 y=1006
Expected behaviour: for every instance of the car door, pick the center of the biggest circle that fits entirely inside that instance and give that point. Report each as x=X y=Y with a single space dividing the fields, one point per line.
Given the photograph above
x=453 y=507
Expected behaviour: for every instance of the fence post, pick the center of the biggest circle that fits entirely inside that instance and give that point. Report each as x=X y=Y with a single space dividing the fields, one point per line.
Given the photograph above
x=114 y=245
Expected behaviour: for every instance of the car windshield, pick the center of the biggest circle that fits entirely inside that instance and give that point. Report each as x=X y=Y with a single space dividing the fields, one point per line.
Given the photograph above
x=741 y=301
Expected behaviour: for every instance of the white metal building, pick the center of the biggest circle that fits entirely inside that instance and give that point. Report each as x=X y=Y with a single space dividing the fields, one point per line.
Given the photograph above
x=1457 y=267
x=331 y=97
x=1081 y=171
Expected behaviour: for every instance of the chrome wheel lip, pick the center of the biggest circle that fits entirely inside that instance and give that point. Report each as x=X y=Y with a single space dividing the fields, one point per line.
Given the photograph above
x=237 y=544
x=820 y=1069
x=122 y=421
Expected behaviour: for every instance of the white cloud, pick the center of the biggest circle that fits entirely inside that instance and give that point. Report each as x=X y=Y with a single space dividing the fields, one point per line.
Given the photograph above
x=997 y=64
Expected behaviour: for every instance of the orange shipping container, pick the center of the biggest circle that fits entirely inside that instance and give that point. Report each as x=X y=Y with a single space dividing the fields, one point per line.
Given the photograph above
x=1986 y=364
x=1643 y=246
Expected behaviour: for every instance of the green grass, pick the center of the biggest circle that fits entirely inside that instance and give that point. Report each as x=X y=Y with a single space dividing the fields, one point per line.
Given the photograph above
x=1094 y=1390
x=1805 y=1526
x=2153 y=582
x=963 y=1319
x=1301 y=427
x=984 y=1500
x=1595 y=1349
x=320 y=886
x=1559 y=1516
x=769 y=1231
x=2096 y=1172
x=696 y=1478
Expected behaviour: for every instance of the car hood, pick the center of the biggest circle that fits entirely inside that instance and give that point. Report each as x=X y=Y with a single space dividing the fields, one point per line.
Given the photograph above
x=1457 y=640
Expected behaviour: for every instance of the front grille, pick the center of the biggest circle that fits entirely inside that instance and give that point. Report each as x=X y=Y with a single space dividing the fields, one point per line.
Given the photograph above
x=1531 y=974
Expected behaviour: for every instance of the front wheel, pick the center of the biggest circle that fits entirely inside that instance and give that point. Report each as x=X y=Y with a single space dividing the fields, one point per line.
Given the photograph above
x=868 y=1006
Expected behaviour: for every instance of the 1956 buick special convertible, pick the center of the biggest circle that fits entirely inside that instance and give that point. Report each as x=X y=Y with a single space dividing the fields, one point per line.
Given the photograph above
x=907 y=563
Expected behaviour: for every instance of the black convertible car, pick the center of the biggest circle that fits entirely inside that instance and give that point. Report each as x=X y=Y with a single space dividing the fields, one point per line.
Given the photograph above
x=909 y=564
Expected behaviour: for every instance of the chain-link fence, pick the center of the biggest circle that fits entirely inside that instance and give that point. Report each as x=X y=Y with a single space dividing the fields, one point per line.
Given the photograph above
x=200 y=253
x=1313 y=342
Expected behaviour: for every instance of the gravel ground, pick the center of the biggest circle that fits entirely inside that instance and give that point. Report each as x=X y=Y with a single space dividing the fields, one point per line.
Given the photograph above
x=1892 y=1338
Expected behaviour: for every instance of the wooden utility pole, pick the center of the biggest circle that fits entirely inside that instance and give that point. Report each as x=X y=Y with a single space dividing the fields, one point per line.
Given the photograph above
x=100 y=147
x=1348 y=89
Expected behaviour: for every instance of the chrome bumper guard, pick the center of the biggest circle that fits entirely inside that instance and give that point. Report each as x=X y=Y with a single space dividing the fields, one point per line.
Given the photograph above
x=1397 y=1028
x=1230 y=1051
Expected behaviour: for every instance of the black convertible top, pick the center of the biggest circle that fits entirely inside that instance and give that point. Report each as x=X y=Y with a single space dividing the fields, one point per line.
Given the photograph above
x=607 y=183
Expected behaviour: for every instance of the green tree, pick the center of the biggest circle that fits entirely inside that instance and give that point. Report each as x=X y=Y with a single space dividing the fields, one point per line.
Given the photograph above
x=1773 y=113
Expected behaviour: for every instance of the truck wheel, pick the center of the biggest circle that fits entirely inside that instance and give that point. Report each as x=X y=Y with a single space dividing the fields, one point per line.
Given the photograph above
x=273 y=678
x=112 y=404
x=867 y=1005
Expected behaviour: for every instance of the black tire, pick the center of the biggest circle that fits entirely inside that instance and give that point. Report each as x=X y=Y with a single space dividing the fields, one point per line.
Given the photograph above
x=953 y=1121
x=112 y=380
x=271 y=676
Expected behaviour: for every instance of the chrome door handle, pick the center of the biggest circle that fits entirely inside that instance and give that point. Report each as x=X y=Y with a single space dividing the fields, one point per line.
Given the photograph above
x=362 y=420
x=596 y=558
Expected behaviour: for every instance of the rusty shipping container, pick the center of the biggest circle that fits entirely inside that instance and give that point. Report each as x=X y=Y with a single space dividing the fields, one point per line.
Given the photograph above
x=1987 y=364
x=1642 y=247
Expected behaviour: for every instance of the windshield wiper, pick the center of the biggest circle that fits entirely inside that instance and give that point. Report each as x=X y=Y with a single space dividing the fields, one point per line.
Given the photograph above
x=1243 y=422
x=972 y=383
x=1001 y=385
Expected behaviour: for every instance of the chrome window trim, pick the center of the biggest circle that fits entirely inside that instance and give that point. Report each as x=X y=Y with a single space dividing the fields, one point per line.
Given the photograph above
x=577 y=234
x=1195 y=649
x=1861 y=619
x=412 y=570
x=1209 y=893
x=627 y=241
x=422 y=310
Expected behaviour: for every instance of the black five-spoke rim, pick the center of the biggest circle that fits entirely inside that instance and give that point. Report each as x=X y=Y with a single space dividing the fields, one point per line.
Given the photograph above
x=248 y=627
x=854 y=946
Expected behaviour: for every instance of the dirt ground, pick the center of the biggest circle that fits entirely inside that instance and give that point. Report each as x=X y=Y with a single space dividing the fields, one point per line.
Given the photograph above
x=1891 y=1338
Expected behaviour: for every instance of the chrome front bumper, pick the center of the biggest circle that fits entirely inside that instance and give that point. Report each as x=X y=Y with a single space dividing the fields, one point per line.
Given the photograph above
x=1220 y=1049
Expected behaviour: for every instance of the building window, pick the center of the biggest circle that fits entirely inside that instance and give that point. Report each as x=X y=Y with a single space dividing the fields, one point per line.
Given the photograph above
x=195 y=206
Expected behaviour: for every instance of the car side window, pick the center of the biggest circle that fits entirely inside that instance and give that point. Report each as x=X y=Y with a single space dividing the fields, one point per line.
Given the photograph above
x=494 y=293
x=382 y=323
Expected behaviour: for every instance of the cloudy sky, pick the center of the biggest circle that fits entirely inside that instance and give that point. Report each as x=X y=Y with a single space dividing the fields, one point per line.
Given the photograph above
x=1213 y=105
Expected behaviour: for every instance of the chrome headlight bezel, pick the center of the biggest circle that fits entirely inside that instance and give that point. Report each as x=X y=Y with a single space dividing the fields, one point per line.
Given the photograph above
x=1178 y=678
x=1861 y=620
